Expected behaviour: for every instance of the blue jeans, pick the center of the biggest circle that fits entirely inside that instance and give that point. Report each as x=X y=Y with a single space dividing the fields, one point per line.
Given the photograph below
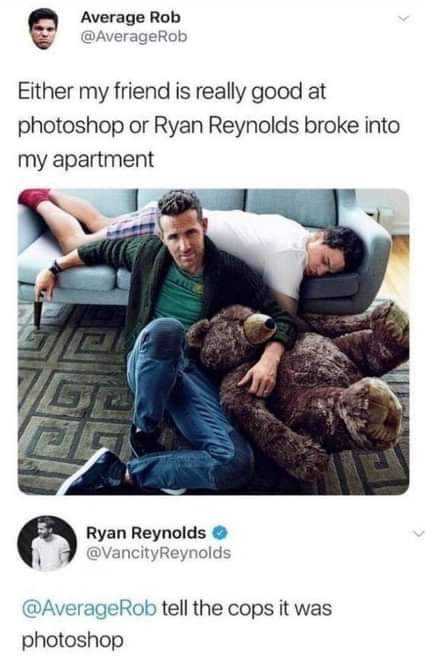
x=163 y=379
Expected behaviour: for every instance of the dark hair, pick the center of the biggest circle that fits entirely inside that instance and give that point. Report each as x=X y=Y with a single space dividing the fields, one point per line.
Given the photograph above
x=37 y=14
x=346 y=240
x=46 y=520
x=176 y=202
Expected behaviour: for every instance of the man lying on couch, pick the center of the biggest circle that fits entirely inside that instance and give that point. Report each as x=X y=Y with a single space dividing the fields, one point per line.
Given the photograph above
x=281 y=250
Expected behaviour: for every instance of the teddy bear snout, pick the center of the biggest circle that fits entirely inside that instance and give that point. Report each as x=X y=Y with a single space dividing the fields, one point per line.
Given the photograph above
x=259 y=328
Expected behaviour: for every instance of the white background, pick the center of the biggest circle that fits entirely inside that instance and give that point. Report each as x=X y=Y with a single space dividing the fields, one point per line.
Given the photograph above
x=357 y=552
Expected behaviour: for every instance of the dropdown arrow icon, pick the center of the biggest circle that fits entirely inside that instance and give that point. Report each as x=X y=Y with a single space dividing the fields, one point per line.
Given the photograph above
x=418 y=532
x=404 y=18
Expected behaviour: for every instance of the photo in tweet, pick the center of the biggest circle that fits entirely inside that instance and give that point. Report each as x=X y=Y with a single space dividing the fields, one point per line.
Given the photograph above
x=228 y=341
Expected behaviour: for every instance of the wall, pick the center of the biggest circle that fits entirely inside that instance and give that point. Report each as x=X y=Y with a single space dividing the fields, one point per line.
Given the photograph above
x=395 y=199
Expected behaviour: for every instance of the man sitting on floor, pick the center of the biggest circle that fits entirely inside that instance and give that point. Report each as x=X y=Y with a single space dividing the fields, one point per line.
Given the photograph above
x=281 y=250
x=176 y=280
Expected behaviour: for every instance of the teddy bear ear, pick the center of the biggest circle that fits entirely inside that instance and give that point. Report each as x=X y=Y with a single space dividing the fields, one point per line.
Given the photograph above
x=195 y=335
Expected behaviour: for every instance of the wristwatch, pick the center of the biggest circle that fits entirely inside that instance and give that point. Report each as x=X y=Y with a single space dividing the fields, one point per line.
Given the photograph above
x=55 y=268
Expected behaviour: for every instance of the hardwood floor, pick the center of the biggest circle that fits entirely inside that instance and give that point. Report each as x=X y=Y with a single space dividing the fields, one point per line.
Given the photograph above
x=396 y=282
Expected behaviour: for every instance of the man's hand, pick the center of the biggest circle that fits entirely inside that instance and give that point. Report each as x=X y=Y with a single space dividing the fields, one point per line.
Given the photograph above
x=46 y=280
x=263 y=375
x=44 y=284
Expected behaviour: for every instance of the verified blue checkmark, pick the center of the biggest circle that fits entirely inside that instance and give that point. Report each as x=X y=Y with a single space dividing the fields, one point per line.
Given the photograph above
x=220 y=532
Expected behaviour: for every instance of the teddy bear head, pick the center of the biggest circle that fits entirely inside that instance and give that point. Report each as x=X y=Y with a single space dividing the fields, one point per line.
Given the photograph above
x=233 y=336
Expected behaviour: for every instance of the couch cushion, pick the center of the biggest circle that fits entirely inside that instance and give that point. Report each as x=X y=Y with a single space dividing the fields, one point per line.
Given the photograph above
x=213 y=198
x=77 y=296
x=41 y=253
x=315 y=208
x=331 y=286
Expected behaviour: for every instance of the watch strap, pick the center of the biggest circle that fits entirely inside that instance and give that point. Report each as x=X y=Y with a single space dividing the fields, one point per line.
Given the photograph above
x=55 y=268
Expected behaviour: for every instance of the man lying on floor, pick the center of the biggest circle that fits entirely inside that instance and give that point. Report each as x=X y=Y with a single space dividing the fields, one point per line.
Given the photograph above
x=281 y=250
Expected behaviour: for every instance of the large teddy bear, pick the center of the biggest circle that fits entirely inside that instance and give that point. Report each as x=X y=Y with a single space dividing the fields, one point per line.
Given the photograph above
x=328 y=396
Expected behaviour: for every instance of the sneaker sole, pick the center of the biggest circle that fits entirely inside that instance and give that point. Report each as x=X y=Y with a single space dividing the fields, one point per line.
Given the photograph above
x=68 y=482
x=170 y=491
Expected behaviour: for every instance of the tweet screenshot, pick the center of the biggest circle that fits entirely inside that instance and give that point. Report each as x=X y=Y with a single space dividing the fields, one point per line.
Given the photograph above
x=220 y=242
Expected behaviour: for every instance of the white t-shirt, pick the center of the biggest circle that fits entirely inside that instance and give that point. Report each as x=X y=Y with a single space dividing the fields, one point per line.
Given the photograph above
x=270 y=244
x=50 y=552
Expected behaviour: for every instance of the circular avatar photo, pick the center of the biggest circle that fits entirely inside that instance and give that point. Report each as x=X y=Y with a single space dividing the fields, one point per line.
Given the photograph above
x=43 y=24
x=47 y=543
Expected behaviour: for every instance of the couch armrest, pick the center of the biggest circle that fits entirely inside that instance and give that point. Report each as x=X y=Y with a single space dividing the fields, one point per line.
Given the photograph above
x=30 y=226
x=377 y=244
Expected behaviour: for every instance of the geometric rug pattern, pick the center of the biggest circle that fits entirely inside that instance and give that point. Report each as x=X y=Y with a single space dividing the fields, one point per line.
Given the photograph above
x=73 y=399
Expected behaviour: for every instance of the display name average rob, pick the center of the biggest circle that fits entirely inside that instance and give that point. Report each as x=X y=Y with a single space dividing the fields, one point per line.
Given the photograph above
x=130 y=19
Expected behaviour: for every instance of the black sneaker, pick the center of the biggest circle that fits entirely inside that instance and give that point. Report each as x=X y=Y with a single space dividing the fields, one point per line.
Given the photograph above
x=103 y=471
x=142 y=443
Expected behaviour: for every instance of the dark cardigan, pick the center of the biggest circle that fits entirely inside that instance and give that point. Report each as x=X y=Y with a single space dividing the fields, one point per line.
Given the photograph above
x=227 y=281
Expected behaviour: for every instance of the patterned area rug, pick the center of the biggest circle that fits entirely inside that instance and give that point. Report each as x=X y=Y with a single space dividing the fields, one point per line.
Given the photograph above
x=73 y=399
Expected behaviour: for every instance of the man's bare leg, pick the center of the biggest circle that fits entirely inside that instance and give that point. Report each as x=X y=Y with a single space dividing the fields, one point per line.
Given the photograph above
x=66 y=228
x=80 y=209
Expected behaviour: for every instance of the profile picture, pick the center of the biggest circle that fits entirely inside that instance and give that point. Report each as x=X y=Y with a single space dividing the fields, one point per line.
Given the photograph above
x=43 y=24
x=47 y=543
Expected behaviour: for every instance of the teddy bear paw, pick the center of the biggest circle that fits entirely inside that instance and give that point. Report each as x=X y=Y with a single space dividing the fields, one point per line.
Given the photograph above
x=393 y=322
x=310 y=463
x=372 y=414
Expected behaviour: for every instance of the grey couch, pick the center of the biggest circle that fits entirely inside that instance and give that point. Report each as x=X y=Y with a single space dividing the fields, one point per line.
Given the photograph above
x=344 y=293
